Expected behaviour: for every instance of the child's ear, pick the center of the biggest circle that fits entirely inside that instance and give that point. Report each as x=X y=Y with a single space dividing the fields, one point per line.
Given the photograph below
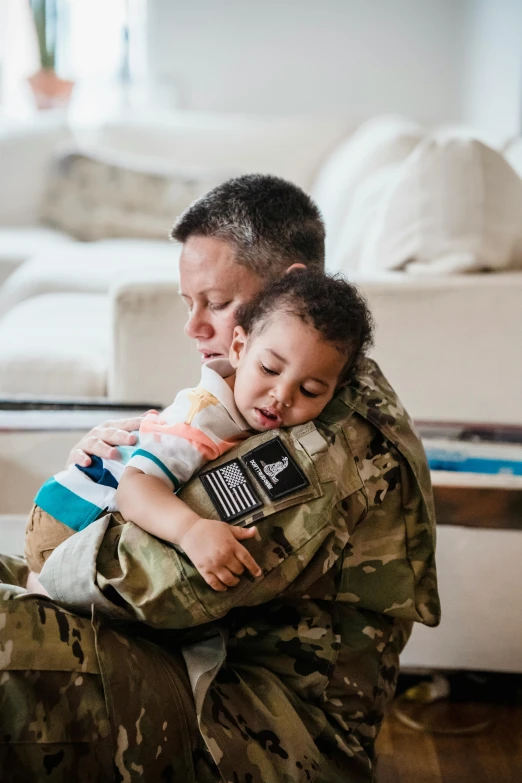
x=238 y=347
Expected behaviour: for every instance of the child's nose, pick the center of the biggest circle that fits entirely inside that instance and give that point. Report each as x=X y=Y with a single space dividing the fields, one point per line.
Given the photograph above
x=283 y=394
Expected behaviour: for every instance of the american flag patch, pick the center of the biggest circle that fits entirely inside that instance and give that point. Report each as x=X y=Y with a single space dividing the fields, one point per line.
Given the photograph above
x=230 y=490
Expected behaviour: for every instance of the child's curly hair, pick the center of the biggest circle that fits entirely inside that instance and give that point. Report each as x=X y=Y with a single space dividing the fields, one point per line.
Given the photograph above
x=332 y=305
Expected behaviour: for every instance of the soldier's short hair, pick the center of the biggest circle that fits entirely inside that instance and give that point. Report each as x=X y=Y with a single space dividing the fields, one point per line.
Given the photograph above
x=271 y=223
x=333 y=306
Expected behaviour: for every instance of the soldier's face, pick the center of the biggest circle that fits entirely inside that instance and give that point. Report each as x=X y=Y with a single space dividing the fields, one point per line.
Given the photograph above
x=285 y=373
x=213 y=285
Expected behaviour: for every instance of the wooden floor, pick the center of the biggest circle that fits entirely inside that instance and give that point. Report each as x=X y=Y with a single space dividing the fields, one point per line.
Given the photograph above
x=492 y=756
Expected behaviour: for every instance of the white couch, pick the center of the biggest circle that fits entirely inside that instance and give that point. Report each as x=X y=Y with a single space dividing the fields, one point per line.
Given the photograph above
x=55 y=344
x=91 y=319
x=221 y=144
x=24 y=155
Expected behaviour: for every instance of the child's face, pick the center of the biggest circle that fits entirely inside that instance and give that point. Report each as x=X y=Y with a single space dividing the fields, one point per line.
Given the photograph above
x=285 y=374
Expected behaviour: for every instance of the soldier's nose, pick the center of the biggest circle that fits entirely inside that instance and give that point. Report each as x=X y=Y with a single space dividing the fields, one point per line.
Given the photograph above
x=198 y=328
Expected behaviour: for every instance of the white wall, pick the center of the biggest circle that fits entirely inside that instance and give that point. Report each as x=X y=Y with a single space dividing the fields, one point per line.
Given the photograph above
x=352 y=58
x=492 y=83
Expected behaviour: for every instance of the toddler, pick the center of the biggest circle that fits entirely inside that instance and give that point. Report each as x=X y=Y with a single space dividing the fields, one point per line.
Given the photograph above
x=294 y=344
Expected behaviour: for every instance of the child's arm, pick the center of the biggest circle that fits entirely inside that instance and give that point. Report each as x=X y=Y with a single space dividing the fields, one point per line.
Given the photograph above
x=212 y=546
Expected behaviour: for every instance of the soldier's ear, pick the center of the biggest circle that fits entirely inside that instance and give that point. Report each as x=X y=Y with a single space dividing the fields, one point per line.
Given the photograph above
x=295 y=266
x=238 y=347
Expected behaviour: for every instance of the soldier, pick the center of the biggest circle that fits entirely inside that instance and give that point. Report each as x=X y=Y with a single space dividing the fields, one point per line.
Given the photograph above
x=157 y=676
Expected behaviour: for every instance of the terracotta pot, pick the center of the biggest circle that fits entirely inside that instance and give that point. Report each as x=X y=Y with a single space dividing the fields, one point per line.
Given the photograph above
x=50 y=92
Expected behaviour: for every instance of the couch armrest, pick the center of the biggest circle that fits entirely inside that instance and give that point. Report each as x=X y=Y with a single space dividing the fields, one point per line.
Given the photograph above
x=152 y=358
x=450 y=345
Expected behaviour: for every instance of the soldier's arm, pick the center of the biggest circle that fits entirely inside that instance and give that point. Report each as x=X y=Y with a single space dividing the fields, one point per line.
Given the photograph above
x=128 y=573
x=376 y=506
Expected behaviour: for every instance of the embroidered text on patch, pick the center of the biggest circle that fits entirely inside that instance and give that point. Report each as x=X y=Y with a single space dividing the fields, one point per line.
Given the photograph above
x=275 y=470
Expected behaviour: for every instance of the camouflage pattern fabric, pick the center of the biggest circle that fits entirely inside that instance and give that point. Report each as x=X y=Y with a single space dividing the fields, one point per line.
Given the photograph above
x=311 y=647
x=79 y=699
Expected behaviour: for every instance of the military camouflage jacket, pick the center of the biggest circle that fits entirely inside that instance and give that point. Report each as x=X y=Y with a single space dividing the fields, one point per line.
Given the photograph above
x=290 y=671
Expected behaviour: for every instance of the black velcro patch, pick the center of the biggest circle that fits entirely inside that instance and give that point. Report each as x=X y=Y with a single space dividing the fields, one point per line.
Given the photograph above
x=274 y=469
x=230 y=490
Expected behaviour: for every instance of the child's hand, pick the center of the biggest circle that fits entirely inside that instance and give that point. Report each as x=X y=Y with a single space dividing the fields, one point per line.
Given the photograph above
x=215 y=550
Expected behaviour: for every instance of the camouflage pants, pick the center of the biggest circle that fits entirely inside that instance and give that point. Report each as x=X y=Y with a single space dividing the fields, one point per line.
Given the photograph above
x=82 y=701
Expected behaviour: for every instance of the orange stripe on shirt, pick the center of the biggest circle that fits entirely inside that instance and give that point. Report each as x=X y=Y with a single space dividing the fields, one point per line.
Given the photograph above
x=196 y=437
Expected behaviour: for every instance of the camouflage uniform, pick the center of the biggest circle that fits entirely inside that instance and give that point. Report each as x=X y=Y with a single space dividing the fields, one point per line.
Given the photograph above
x=290 y=672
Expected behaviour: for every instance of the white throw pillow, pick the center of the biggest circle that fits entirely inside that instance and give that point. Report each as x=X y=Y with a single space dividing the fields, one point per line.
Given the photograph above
x=359 y=220
x=100 y=194
x=454 y=206
x=378 y=142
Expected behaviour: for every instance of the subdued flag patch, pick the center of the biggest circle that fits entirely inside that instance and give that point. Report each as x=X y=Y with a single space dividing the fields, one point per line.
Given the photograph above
x=230 y=490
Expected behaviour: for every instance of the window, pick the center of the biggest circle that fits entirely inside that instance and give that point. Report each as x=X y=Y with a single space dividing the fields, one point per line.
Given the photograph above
x=100 y=46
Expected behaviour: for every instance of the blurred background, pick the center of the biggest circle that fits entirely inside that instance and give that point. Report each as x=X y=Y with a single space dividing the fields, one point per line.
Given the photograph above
x=402 y=118
x=443 y=61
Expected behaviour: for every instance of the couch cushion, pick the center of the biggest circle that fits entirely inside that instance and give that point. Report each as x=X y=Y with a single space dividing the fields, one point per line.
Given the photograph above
x=100 y=194
x=56 y=345
x=377 y=143
x=26 y=149
x=290 y=147
x=455 y=205
x=86 y=268
x=18 y=243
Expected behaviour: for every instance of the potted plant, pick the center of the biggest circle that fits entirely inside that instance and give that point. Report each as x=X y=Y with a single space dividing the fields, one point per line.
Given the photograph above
x=49 y=90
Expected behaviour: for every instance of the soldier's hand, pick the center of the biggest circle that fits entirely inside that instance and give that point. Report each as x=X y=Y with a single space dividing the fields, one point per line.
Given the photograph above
x=102 y=440
x=215 y=550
